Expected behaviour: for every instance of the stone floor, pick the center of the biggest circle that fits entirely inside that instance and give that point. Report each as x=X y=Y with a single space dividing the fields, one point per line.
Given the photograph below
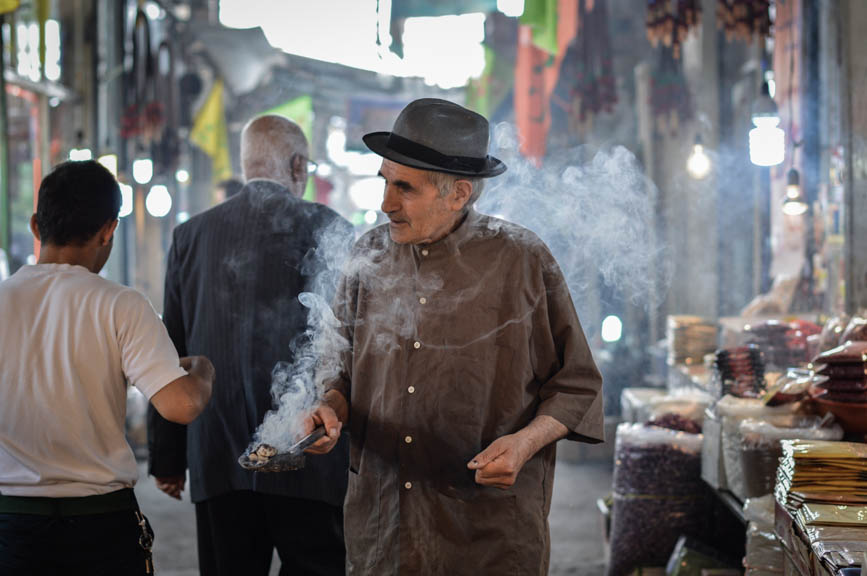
x=576 y=536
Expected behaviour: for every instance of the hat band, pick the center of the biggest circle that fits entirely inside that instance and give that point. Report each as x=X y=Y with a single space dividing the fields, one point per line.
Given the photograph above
x=430 y=156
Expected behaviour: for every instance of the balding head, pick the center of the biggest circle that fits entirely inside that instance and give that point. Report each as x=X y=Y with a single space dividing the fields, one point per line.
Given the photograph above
x=274 y=148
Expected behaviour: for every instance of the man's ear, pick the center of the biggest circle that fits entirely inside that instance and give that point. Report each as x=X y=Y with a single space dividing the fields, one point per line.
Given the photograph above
x=34 y=227
x=106 y=233
x=462 y=190
x=299 y=167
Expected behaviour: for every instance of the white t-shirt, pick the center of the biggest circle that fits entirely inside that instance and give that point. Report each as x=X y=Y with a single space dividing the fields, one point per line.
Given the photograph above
x=68 y=339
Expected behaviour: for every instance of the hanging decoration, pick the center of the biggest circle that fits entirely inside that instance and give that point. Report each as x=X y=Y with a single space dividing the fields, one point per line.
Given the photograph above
x=670 y=100
x=531 y=109
x=167 y=143
x=595 y=88
x=669 y=22
x=586 y=85
x=744 y=19
x=143 y=118
x=537 y=71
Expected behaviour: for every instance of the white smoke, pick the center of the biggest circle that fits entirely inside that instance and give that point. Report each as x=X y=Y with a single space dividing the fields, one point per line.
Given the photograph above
x=594 y=209
x=296 y=387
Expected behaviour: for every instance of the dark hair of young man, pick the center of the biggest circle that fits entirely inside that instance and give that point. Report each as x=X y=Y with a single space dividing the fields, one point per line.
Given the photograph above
x=75 y=200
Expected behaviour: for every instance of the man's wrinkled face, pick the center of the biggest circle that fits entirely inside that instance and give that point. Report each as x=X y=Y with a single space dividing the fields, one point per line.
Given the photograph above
x=418 y=213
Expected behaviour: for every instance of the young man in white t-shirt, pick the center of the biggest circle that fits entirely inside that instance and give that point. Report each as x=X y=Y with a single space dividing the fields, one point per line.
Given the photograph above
x=70 y=340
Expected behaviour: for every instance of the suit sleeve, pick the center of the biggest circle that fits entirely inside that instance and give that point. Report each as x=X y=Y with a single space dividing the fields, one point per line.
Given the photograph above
x=167 y=441
x=571 y=391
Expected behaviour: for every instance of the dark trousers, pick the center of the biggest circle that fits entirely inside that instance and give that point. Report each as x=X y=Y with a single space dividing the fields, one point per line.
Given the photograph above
x=238 y=532
x=92 y=545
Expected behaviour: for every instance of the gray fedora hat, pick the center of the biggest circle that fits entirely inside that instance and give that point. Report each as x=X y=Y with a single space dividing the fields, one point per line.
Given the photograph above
x=438 y=135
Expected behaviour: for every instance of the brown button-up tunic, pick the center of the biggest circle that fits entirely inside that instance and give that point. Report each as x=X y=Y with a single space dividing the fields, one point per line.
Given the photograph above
x=453 y=345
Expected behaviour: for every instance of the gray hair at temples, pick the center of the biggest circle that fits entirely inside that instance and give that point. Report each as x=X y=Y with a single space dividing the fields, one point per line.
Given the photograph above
x=444 y=183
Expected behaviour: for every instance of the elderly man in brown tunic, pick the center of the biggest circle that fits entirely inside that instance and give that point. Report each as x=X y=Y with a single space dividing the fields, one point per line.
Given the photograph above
x=464 y=363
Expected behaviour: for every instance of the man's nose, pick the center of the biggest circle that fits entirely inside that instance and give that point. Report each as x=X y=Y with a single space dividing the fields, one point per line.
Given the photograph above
x=390 y=201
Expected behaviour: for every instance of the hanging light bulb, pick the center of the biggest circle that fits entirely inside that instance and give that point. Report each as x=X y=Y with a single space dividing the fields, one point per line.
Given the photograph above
x=512 y=8
x=612 y=329
x=794 y=203
x=767 y=139
x=126 y=200
x=80 y=154
x=698 y=163
x=110 y=162
x=158 y=201
x=142 y=170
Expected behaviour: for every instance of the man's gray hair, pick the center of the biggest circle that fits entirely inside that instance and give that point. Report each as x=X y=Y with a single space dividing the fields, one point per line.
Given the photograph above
x=445 y=182
x=268 y=144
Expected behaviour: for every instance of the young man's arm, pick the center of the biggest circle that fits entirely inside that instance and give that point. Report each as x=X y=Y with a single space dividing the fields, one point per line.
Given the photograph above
x=182 y=400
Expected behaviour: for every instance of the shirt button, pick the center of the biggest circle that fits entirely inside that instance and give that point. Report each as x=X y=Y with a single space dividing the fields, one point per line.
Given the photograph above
x=425 y=252
x=408 y=439
x=416 y=345
x=422 y=300
x=408 y=485
x=411 y=389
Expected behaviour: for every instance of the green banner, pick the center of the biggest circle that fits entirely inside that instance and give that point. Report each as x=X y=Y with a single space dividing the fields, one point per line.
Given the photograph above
x=541 y=16
x=300 y=111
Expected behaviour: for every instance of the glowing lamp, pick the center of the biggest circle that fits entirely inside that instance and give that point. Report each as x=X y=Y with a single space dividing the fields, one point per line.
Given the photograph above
x=767 y=142
x=158 y=201
x=767 y=139
x=110 y=162
x=366 y=193
x=143 y=170
x=126 y=204
x=612 y=329
x=511 y=8
x=80 y=154
x=698 y=163
x=794 y=203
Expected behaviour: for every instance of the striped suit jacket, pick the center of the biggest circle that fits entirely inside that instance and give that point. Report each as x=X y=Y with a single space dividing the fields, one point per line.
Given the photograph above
x=233 y=278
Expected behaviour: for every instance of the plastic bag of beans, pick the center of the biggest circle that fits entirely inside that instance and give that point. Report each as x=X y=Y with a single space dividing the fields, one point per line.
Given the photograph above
x=658 y=495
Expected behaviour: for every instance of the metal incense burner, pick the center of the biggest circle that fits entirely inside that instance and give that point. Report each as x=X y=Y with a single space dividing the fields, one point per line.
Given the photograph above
x=265 y=458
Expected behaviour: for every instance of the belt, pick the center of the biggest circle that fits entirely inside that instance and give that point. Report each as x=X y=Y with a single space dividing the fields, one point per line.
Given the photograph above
x=119 y=501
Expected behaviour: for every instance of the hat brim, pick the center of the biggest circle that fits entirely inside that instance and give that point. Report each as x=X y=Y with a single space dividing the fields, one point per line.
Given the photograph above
x=378 y=143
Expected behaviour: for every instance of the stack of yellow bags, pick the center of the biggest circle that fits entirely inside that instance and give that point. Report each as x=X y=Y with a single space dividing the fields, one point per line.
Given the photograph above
x=823 y=486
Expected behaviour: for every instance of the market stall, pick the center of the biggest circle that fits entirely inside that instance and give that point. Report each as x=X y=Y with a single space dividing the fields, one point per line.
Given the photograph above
x=769 y=426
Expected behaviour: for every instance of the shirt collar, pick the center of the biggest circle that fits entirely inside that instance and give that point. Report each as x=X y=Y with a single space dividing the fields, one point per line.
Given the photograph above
x=450 y=244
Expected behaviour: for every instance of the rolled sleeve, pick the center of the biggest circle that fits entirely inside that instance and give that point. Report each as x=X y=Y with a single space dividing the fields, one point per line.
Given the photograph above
x=571 y=390
x=149 y=358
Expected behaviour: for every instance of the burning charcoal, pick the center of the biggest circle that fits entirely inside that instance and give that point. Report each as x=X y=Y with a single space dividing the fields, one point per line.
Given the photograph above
x=253 y=457
x=265 y=451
